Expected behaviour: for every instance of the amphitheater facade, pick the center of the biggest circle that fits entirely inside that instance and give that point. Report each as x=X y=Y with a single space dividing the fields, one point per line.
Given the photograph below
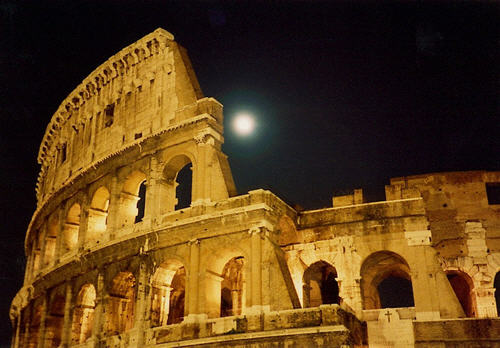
x=117 y=258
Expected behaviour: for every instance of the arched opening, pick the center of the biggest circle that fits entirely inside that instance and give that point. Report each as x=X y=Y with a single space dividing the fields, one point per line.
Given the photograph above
x=120 y=306
x=98 y=215
x=131 y=199
x=83 y=314
x=386 y=281
x=320 y=285
x=184 y=187
x=168 y=294
x=35 y=253
x=178 y=186
x=71 y=228
x=51 y=239
x=391 y=287
x=141 y=203
x=231 y=302
x=462 y=286
x=496 y=285
x=54 y=322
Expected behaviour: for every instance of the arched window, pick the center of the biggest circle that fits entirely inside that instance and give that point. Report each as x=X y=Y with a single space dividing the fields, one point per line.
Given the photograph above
x=54 y=322
x=168 y=294
x=83 y=315
x=141 y=203
x=391 y=287
x=320 y=285
x=231 y=302
x=496 y=285
x=121 y=302
x=386 y=281
x=177 y=189
x=131 y=199
x=51 y=239
x=184 y=187
x=98 y=215
x=35 y=253
x=71 y=227
x=462 y=286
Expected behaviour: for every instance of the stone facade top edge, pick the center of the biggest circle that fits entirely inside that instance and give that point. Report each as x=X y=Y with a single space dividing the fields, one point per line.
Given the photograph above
x=403 y=179
x=361 y=205
x=81 y=90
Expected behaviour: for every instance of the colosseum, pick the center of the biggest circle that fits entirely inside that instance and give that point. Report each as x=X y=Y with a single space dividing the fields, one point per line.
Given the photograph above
x=119 y=256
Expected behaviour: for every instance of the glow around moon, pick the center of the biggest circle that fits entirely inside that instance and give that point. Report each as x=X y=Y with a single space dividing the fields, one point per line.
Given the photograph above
x=243 y=124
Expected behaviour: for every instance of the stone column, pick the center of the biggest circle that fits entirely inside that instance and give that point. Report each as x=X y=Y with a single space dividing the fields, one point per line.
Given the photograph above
x=485 y=302
x=143 y=292
x=193 y=294
x=256 y=269
x=424 y=273
x=114 y=208
x=68 y=316
x=153 y=193
x=212 y=292
x=84 y=223
x=99 y=311
x=60 y=236
x=43 y=234
x=43 y=319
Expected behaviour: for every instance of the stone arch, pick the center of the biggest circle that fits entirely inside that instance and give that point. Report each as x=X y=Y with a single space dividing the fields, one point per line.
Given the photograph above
x=129 y=197
x=232 y=287
x=83 y=314
x=168 y=293
x=120 y=304
x=36 y=249
x=462 y=285
x=320 y=285
x=52 y=229
x=214 y=277
x=71 y=228
x=378 y=271
x=98 y=215
x=55 y=321
x=177 y=189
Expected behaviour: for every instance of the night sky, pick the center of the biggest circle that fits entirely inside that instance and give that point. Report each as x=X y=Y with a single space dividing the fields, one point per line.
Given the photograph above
x=345 y=95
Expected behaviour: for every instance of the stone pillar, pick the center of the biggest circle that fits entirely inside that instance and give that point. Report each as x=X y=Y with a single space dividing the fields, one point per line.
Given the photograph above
x=153 y=192
x=114 y=208
x=60 y=236
x=212 y=292
x=256 y=268
x=193 y=309
x=485 y=302
x=43 y=234
x=84 y=223
x=99 y=310
x=68 y=316
x=142 y=300
x=43 y=319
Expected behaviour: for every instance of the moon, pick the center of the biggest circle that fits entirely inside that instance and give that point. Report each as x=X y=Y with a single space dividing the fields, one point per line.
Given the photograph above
x=244 y=124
